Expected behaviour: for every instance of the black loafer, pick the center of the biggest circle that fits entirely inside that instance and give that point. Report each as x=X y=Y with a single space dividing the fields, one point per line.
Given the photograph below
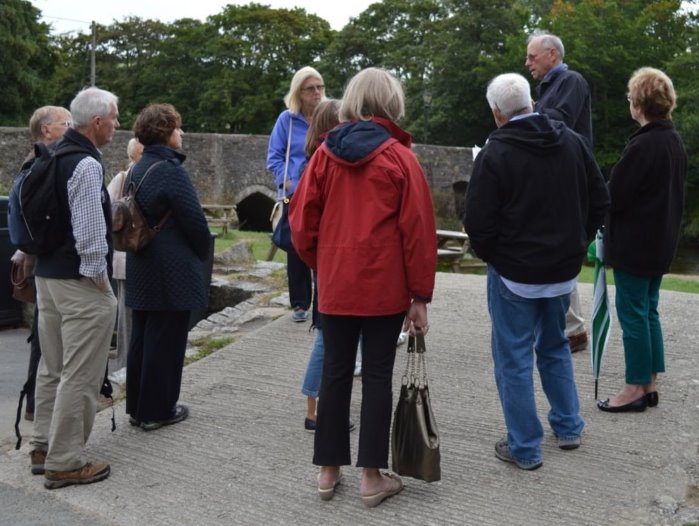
x=652 y=399
x=637 y=406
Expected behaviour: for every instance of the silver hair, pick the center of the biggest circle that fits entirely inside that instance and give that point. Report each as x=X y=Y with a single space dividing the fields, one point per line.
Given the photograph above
x=131 y=148
x=42 y=117
x=509 y=93
x=549 y=41
x=89 y=103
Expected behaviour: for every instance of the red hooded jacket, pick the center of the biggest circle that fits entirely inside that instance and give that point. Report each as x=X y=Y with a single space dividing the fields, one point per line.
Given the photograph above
x=362 y=217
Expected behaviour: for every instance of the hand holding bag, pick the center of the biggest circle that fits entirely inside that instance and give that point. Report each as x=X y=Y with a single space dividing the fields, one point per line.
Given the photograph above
x=281 y=231
x=415 y=438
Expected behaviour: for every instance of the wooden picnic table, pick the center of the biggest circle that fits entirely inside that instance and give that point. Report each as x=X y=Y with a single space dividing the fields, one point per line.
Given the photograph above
x=224 y=216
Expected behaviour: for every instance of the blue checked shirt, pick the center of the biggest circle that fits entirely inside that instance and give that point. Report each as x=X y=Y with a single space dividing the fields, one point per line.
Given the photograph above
x=87 y=217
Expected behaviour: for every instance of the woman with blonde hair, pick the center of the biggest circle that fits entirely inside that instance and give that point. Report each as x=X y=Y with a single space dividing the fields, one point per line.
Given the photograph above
x=285 y=159
x=647 y=188
x=362 y=217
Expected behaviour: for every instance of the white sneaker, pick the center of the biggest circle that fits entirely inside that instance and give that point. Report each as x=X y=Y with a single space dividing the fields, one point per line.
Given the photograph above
x=402 y=338
x=357 y=368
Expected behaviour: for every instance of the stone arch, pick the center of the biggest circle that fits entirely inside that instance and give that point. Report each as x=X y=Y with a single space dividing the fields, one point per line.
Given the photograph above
x=254 y=205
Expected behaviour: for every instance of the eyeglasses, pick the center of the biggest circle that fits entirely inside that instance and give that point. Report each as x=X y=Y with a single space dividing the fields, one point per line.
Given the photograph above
x=66 y=124
x=311 y=89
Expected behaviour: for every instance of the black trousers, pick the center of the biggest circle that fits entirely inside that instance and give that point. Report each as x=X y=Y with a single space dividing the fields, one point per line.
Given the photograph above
x=300 y=282
x=340 y=337
x=154 y=363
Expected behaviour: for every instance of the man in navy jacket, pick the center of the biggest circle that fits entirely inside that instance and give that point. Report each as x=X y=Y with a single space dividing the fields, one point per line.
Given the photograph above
x=563 y=95
x=535 y=199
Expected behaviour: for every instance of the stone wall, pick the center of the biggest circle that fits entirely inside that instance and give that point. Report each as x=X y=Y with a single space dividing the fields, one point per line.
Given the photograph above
x=227 y=169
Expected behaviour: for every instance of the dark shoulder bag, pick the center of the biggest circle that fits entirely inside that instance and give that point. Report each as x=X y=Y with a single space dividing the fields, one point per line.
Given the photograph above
x=415 y=438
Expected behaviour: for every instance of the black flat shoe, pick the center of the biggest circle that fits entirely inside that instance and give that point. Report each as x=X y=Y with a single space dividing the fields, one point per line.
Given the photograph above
x=637 y=406
x=652 y=399
x=180 y=413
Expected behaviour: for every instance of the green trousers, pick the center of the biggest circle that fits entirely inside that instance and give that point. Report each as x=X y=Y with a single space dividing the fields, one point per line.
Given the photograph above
x=637 y=308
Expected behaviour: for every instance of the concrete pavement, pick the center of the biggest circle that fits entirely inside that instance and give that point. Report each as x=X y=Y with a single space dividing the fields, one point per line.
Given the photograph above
x=244 y=458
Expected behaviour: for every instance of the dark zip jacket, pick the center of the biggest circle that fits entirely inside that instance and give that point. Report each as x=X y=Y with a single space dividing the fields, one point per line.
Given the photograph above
x=565 y=96
x=535 y=200
x=647 y=187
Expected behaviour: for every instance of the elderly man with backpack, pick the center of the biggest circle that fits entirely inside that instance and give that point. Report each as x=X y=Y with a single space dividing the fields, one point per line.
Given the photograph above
x=75 y=299
x=47 y=125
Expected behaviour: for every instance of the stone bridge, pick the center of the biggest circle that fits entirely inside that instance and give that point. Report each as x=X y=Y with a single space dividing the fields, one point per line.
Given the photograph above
x=230 y=169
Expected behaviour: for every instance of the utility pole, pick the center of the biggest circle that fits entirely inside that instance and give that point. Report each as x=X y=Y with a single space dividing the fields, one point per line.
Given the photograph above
x=92 y=53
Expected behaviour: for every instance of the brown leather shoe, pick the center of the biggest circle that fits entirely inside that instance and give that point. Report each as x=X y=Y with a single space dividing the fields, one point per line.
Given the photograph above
x=87 y=474
x=578 y=342
x=38 y=458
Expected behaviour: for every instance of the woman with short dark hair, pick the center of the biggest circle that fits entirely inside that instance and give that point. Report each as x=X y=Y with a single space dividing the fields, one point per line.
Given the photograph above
x=164 y=281
x=647 y=188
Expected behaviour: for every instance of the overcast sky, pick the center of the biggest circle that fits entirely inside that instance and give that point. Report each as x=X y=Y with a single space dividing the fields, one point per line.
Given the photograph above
x=76 y=15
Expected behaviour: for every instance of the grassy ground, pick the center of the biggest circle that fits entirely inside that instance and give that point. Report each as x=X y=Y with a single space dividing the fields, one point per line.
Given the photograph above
x=670 y=282
x=261 y=243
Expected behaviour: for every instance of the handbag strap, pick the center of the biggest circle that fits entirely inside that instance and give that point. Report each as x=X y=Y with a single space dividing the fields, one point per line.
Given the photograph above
x=286 y=160
x=416 y=368
x=133 y=196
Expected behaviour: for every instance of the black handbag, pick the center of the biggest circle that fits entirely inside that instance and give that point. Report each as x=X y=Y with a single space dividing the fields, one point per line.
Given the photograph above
x=415 y=438
x=281 y=236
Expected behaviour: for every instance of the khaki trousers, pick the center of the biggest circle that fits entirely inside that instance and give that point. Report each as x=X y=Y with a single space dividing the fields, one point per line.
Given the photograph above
x=575 y=321
x=76 y=321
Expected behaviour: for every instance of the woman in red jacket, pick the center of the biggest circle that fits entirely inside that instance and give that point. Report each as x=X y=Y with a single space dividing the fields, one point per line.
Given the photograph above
x=362 y=217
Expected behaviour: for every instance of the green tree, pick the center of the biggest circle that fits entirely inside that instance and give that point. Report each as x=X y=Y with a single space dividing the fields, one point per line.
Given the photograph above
x=479 y=40
x=26 y=59
x=398 y=35
x=251 y=54
x=684 y=71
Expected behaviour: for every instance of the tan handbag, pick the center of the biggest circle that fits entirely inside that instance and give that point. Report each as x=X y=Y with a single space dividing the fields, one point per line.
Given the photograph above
x=415 y=438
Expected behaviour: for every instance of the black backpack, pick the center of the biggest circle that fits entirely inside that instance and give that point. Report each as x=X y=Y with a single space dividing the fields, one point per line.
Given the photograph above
x=34 y=211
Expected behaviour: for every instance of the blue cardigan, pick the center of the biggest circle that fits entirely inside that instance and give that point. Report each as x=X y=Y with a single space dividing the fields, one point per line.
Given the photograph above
x=276 y=153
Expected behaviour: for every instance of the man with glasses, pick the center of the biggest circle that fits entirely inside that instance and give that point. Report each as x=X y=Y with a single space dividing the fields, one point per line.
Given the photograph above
x=563 y=95
x=47 y=125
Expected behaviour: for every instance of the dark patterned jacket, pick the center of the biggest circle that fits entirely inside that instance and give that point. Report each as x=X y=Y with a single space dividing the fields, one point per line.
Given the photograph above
x=167 y=275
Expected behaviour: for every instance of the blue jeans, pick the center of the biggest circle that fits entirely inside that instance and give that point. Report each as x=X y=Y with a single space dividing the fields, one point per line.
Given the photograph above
x=520 y=328
x=637 y=308
x=314 y=369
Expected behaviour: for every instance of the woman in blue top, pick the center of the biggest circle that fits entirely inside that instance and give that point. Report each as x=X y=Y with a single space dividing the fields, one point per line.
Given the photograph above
x=306 y=92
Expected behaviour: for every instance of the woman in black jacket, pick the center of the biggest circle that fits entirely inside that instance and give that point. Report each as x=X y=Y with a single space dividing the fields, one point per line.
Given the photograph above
x=647 y=188
x=164 y=281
